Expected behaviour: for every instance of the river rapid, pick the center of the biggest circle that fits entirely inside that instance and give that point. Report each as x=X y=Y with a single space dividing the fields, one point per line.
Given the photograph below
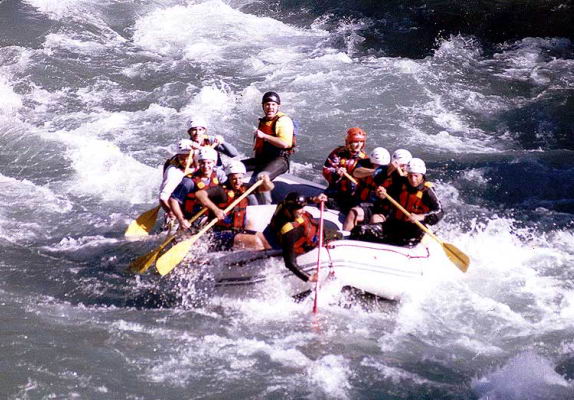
x=93 y=93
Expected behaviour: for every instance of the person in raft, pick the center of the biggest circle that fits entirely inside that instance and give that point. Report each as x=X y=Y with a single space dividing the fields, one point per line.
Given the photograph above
x=197 y=131
x=183 y=201
x=229 y=232
x=294 y=231
x=370 y=173
x=418 y=197
x=173 y=173
x=339 y=165
x=274 y=143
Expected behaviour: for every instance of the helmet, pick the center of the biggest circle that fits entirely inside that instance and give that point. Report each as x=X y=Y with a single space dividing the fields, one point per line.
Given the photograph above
x=271 y=96
x=402 y=156
x=196 y=123
x=416 y=166
x=294 y=201
x=380 y=156
x=184 y=146
x=356 y=135
x=235 y=167
x=207 y=153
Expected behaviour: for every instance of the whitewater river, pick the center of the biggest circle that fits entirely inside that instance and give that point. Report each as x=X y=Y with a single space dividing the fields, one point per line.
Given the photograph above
x=92 y=94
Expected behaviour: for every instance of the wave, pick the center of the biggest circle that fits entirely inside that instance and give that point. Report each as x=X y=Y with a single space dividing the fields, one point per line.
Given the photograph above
x=411 y=27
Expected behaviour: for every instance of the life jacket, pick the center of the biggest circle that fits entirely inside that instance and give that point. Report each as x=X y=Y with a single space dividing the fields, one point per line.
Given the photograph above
x=412 y=201
x=309 y=239
x=349 y=162
x=367 y=186
x=265 y=149
x=191 y=204
x=235 y=219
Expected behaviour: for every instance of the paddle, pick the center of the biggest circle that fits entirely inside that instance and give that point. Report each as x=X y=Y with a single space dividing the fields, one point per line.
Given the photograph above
x=322 y=208
x=460 y=259
x=177 y=253
x=143 y=224
x=141 y=264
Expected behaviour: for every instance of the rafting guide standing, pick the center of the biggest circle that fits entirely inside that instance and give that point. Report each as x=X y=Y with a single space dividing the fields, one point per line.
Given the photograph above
x=274 y=142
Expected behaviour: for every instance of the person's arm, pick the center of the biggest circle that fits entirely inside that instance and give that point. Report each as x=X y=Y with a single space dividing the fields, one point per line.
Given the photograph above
x=267 y=185
x=436 y=212
x=204 y=198
x=177 y=198
x=284 y=129
x=223 y=147
x=176 y=209
x=172 y=179
x=289 y=257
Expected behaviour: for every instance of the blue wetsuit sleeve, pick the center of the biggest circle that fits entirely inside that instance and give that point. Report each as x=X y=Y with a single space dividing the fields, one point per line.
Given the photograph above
x=186 y=186
x=228 y=149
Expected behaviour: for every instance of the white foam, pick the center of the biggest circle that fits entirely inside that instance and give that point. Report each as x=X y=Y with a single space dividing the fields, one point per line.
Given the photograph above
x=526 y=376
x=331 y=375
x=208 y=32
x=10 y=102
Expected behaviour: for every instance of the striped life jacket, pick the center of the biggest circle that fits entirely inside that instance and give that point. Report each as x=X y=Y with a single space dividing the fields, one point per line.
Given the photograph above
x=191 y=205
x=265 y=149
x=411 y=199
x=308 y=239
x=235 y=219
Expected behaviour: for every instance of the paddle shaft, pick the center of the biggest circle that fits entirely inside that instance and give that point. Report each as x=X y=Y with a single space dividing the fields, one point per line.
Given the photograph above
x=172 y=261
x=229 y=208
x=322 y=209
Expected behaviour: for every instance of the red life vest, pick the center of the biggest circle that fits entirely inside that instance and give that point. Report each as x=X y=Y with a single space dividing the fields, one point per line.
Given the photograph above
x=236 y=217
x=349 y=162
x=265 y=149
x=411 y=200
x=190 y=204
x=368 y=185
x=308 y=239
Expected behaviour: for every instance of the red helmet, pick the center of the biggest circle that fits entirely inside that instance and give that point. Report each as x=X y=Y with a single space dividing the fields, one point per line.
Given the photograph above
x=356 y=135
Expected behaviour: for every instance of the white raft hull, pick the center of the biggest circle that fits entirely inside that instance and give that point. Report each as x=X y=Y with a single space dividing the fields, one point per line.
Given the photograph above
x=383 y=270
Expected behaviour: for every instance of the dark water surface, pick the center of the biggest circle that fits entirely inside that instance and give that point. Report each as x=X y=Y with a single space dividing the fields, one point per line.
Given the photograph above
x=92 y=94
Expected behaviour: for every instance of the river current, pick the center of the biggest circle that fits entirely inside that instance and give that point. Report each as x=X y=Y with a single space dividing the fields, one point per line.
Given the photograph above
x=92 y=95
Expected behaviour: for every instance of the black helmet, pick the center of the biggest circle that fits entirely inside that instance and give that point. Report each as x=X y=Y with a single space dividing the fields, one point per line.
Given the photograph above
x=294 y=201
x=271 y=96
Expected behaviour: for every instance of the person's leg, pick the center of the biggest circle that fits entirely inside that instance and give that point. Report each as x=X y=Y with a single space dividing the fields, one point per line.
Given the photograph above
x=273 y=168
x=353 y=218
x=248 y=241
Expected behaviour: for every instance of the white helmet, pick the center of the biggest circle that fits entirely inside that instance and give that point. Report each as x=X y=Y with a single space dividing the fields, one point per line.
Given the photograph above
x=402 y=156
x=196 y=123
x=416 y=166
x=235 y=167
x=207 y=153
x=380 y=156
x=184 y=146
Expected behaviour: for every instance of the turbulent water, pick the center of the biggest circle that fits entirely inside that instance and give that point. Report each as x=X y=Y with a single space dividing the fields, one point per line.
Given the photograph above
x=92 y=94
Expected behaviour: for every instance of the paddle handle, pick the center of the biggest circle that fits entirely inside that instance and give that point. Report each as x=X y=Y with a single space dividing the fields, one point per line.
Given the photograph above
x=229 y=208
x=321 y=219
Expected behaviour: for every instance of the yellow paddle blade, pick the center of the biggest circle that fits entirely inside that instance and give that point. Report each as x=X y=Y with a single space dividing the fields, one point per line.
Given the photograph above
x=174 y=256
x=142 y=263
x=143 y=224
x=460 y=259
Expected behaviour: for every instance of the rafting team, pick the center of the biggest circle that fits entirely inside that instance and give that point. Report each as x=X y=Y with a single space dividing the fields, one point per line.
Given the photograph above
x=358 y=186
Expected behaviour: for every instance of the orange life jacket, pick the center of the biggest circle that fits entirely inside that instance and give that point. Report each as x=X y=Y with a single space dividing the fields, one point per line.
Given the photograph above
x=412 y=201
x=191 y=204
x=265 y=149
x=236 y=217
x=349 y=162
x=308 y=239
